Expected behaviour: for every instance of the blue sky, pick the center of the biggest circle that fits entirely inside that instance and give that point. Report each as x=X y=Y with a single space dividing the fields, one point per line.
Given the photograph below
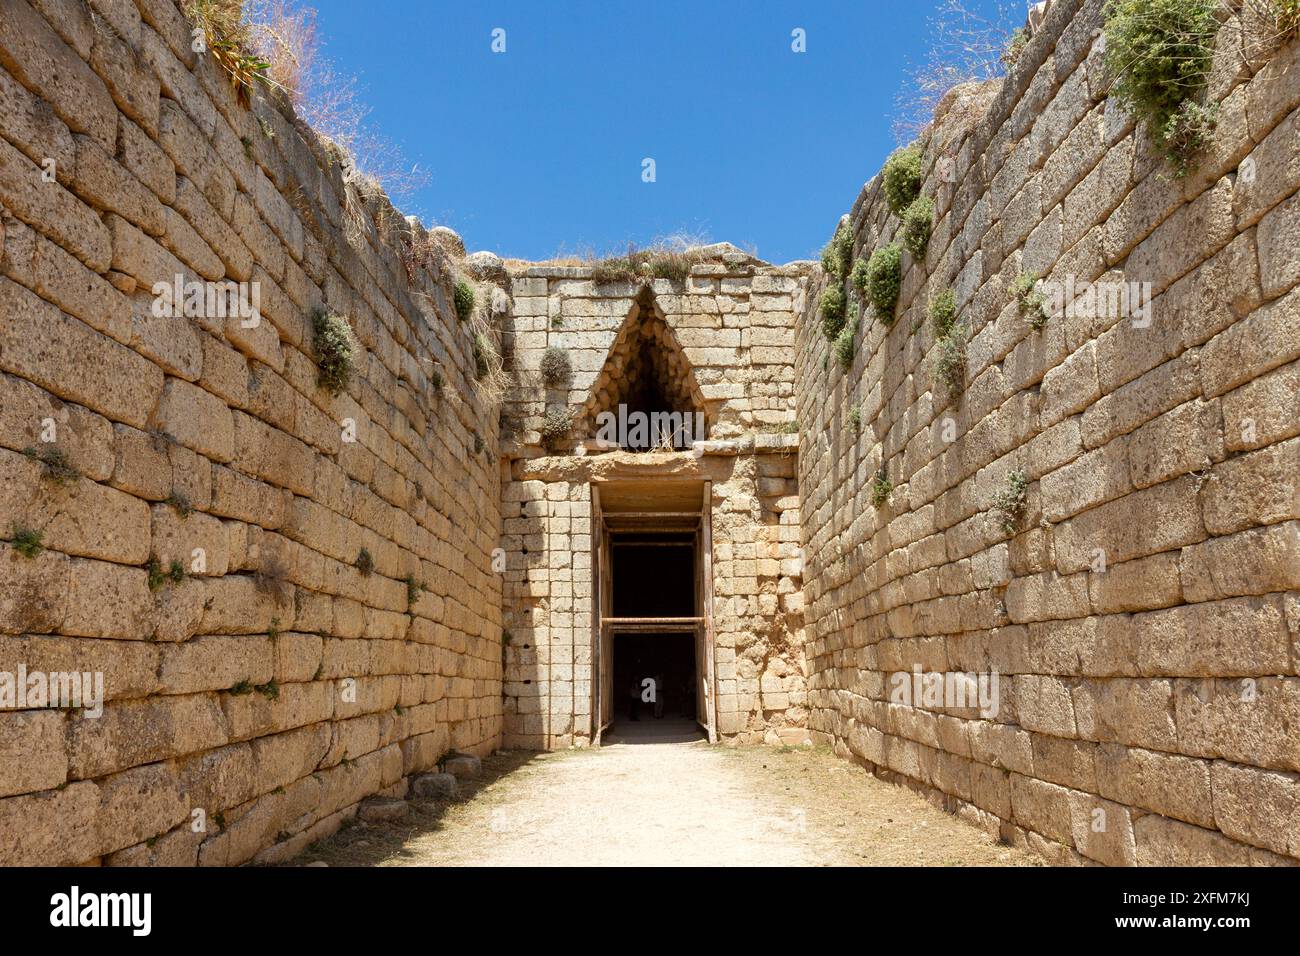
x=538 y=150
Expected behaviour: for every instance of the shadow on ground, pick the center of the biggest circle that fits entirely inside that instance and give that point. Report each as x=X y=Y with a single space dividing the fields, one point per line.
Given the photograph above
x=359 y=843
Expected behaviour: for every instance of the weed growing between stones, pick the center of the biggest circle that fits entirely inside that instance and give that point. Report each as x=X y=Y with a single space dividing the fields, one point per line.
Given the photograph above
x=1159 y=54
x=555 y=427
x=859 y=275
x=436 y=381
x=158 y=576
x=950 y=360
x=881 y=487
x=1016 y=44
x=270 y=690
x=943 y=312
x=556 y=369
x=837 y=255
x=245 y=686
x=846 y=341
x=27 y=542
x=885 y=280
x=1009 y=503
x=855 y=418
x=413 y=590
x=335 y=349
x=832 y=304
x=181 y=503
x=1033 y=304
x=902 y=178
x=54 y=462
x=918 y=223
x=365 y=563
x=274 y=630
x=462 y=298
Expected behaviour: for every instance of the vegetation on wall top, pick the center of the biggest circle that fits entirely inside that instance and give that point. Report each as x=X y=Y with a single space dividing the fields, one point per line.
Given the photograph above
x=1159 y=54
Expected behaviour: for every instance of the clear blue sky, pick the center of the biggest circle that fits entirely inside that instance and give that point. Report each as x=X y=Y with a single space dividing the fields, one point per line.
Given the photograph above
x=538 y=150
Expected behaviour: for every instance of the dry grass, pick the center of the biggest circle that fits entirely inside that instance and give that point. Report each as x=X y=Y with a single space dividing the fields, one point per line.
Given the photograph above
x=964 y=46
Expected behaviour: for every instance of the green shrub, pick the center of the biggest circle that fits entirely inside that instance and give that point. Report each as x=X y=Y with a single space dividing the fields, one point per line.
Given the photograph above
x=270 y=690
x=156 y=576
x=27 y=542
x=413 y=590
x=902 y=178
x=556 y=425
x=859 y=275
x=463 y=299
x=832 y=304
x=918 y=223
x=556 y=369
x=950 y=360
x=884 y=280
x=943 y=312
x=855 y=418
x=1016 y=44
x=881 y=487
x=1033 y=304
x=838 y=253
x=1159 y=54
x=1009 y=503
x=846 y=341
x=335 y=350
x=176 y=571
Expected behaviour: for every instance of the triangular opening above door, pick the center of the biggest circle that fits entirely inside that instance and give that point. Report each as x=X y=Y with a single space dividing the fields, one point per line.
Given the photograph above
x=646 y=396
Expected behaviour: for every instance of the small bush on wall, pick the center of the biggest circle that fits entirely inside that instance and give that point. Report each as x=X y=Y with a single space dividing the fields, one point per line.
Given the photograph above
x=1009 y=504
x=1159 y=54
x=902 y=178
x=1032 y=303
x=556 y=369
x=918 y=223
x=838 y=253
x=885 y=280
x=846 y=341
x=335 y=350
x=881 y=488
x=463 y=298
x=555 y=427
x=832 y=305
x=943 y=312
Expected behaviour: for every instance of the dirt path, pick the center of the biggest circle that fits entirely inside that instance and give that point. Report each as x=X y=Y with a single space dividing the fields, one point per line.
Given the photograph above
x=670 y=804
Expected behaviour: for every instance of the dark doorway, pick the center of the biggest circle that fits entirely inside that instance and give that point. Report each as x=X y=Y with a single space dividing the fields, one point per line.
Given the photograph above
x=668 y=661
x=653 y=575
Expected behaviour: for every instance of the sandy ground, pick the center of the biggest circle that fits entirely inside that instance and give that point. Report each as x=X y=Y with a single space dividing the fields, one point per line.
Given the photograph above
x=675 y=804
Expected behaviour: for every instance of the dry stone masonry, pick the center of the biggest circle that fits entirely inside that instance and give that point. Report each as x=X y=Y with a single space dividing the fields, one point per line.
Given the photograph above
x=1141 y=607
x=323 y=531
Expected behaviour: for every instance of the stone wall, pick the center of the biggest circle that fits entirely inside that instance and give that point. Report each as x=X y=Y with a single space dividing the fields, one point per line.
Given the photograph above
x=1143 y=612
x=273 y=684
x=730 y=323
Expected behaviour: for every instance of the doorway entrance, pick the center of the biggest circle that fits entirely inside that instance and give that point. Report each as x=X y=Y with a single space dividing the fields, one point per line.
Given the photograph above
x=652 y=667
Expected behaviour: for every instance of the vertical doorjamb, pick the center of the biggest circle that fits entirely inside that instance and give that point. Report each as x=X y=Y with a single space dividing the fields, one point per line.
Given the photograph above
x=597 y=620
x=706 y=576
